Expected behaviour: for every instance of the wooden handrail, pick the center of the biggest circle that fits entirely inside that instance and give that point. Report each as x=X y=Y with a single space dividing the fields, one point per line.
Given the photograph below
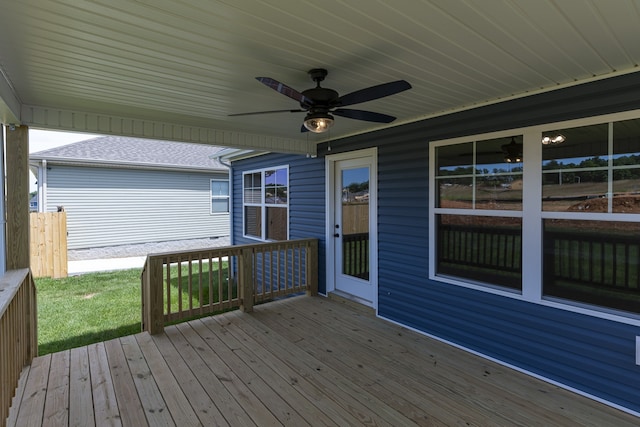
x=18 y=332
x=177 y=286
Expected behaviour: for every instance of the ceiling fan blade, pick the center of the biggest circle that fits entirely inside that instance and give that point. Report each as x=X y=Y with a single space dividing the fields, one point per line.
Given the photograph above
x=373 y=92
x=266 y=112
x=285 y=90
x=368 y=116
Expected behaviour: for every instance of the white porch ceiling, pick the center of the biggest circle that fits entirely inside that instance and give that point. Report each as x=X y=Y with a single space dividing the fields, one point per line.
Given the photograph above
x=176 y=69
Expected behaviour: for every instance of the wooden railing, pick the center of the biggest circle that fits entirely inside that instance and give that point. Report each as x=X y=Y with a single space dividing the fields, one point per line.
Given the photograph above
x=18 y=332
x=487 y=254
x=181 y=285
x=593 y=267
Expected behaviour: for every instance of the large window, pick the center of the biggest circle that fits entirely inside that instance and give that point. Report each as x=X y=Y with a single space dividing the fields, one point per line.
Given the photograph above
x=219 y=196
x=478 y=204
x=557 y=222
x=593 y=255
x=266 y=204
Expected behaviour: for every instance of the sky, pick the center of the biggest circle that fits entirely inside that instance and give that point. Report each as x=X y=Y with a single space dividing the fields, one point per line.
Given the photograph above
x=40 y=140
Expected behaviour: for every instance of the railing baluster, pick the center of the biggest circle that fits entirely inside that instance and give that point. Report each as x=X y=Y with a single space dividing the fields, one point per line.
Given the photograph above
x=190 y=285
x=210 y=276
x=168 y=281
x=179 y=292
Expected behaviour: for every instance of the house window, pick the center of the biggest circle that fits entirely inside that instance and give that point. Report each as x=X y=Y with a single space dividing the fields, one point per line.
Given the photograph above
x=568 y=213
x=593 y=256
x=266 y=204
x=477 y=215
x=219 y=196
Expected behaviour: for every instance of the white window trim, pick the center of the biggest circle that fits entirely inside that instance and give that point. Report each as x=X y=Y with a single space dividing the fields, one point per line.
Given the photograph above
x=532 y=216
x=212 y=196
x=262 y=203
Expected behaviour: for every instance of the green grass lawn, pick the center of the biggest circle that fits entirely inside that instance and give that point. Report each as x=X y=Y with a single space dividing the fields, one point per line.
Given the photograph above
x=82 y=310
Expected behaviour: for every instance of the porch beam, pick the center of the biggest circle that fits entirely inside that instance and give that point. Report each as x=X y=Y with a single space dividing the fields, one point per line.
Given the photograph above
x=9 y=103
x=17 y=165
x=199 y=133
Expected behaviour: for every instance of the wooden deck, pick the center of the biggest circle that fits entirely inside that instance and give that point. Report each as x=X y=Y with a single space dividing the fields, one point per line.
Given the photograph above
x=300 y=361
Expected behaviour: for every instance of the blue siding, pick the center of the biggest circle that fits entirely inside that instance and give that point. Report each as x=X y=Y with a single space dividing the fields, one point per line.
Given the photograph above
x=591 y=354
x=306 y=200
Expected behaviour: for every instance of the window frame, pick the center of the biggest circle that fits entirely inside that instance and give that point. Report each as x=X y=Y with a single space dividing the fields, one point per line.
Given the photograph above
x=263 y=205
x=532 y=218
x=219 y=197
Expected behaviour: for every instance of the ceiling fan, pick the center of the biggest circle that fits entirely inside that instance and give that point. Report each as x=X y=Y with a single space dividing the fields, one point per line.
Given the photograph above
x=320 y=103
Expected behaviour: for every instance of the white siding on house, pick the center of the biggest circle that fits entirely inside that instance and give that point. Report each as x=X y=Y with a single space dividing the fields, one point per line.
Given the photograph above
x=113 y=206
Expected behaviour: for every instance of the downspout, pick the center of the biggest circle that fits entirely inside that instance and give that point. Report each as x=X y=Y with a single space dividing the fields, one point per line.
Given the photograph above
x=3 y=215
x=228 y=165
x=42 y=187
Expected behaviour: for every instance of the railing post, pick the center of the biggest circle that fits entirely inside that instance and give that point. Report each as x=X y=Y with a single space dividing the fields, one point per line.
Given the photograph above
x=312 y=268
x=32 y=317
x=245 y=268
x=152 y=298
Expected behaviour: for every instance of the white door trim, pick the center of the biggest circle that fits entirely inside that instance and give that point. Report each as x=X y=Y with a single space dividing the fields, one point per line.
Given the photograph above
x=330 y=162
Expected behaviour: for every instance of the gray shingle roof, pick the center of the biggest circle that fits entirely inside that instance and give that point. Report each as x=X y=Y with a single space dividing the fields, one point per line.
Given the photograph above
x=134 y=152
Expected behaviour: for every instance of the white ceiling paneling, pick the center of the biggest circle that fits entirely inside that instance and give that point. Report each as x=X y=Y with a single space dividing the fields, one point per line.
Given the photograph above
x=188 y=64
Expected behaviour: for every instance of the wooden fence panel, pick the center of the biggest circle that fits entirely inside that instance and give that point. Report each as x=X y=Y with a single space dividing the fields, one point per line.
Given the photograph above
x=355 y=218
x=48 y=244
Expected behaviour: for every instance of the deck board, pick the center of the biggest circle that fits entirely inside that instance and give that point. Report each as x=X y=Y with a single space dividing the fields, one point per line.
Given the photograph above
x=129 y=404
x=81 y=410
x=56 y=407
x=104 y=398
x=295 y=362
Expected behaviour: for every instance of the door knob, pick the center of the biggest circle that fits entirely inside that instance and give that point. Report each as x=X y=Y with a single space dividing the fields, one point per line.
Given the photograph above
x=336 y=235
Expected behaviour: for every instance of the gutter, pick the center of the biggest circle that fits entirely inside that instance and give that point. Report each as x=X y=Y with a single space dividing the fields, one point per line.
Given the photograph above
x=3 y=217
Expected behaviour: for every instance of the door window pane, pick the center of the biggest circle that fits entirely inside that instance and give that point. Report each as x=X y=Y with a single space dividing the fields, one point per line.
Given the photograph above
x=355 y=222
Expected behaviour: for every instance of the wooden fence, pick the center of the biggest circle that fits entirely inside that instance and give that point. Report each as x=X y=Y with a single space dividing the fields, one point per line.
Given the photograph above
x=180 y=285
x=18 y=332
x=355 y=218
x=48 y=244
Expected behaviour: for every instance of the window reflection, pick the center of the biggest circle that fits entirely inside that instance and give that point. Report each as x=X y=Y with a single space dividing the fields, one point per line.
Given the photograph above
x=481 y=249
x=596 y=262
x=590 y=173
x=475 y=175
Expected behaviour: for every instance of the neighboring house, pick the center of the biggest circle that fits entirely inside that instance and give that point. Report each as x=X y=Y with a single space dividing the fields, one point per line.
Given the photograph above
x=118 y=190
x=528 y=254
x=33 y=203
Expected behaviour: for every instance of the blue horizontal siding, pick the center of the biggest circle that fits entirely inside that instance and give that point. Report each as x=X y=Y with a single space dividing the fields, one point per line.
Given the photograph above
x=591 y=354
x=306 y=200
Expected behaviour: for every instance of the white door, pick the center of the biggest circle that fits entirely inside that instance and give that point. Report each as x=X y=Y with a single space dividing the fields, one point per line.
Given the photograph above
x=353 y=227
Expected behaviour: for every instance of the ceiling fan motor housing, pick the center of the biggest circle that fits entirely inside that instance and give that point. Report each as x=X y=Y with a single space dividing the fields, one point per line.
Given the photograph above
x=323 y=99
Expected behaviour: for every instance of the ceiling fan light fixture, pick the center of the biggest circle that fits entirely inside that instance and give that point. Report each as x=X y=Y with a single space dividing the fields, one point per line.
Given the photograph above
x=318 y=122
x=553 y=140
x=512 y=151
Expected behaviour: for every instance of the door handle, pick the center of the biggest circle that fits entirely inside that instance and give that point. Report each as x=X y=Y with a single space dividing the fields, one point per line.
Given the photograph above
x=336 y=235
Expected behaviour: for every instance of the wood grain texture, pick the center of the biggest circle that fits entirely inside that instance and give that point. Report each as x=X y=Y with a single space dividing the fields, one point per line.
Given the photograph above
x=17 y=207
x=294 y=362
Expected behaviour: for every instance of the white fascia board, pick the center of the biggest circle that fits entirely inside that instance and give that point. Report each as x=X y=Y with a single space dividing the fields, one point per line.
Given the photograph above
x=123 y=165
x=9 y=103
